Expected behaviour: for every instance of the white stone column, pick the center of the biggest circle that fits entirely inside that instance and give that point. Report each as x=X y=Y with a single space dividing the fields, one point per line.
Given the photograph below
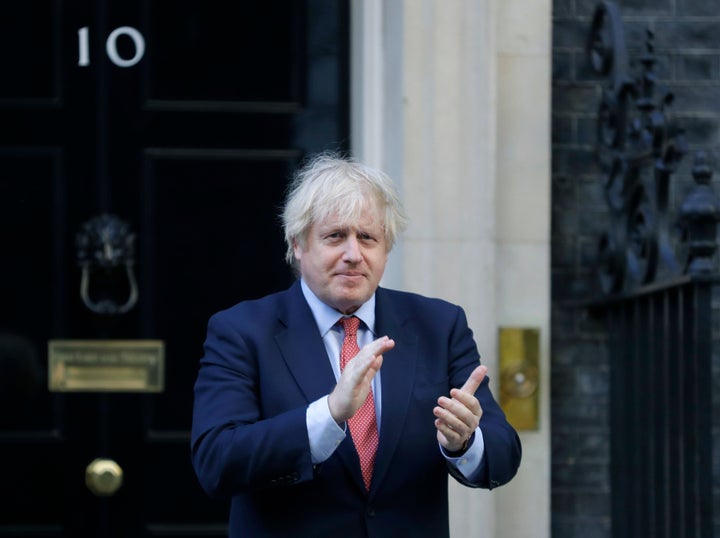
x=449 y=181
x=523 y=241
x=451 y=98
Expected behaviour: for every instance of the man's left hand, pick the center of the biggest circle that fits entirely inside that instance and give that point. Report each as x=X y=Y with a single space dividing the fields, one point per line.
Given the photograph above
x=458 y=417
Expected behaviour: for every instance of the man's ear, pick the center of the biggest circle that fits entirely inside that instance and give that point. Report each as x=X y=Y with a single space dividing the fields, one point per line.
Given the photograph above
x=297 y=249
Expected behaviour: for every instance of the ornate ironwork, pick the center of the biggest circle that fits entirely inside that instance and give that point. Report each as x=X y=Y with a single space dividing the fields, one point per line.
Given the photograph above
x=106 y=254
x=639 y=148
x=698 y=217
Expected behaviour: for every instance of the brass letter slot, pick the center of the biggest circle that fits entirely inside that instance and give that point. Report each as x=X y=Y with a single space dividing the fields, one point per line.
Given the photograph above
x=106 y=365
x=519 y=375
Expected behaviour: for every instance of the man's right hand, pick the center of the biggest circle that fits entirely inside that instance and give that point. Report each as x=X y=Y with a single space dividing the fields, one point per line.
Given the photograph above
x=356 y=379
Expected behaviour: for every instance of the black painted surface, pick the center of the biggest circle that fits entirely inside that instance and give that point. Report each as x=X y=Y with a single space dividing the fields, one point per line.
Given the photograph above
x=192 y=146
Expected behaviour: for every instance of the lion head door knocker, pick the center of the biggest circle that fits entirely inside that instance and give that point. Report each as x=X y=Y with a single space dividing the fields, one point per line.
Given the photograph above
x=106 y=256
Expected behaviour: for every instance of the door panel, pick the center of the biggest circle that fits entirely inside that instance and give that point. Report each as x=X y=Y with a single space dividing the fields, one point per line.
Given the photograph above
x=192 y=146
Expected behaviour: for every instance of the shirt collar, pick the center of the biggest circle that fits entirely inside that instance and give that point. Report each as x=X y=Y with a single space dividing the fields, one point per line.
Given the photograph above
x=326 y=316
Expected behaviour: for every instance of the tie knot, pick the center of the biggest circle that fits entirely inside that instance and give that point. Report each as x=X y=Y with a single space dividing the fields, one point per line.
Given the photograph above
x=350 y=325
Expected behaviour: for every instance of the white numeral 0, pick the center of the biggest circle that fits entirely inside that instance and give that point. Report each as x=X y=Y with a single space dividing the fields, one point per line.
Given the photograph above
x=110 y=46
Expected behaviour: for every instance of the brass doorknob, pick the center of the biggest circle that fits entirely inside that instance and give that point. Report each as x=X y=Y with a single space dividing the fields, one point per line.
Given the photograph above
x=103 y=477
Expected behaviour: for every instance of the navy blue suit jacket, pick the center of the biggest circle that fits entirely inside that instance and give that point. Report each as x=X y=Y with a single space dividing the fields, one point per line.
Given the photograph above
x=265 y=361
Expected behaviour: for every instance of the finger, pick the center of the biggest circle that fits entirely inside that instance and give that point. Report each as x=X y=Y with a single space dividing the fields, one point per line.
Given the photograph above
x=476 y=377
x=372 y=369
x=451 y=420
x=379 y=346
x=463 y=405
x=466 y=399
x=448 y=438
x=368 y=356
x=363 y=367
x=450 y=433
x=457 y=416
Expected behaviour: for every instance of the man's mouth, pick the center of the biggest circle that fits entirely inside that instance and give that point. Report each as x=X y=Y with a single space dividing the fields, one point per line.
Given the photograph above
x=353 y=276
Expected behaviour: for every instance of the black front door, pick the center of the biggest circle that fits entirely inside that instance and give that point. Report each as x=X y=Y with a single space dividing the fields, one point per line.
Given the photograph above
x=182 y=120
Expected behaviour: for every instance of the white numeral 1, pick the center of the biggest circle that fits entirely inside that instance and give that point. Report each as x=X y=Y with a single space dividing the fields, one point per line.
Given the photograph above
x=83 y=52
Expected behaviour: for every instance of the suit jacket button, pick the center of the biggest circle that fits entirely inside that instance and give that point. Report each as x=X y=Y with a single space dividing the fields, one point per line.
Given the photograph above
x=370 y=511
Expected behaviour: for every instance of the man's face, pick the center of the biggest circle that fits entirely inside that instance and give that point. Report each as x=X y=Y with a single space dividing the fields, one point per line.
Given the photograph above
x=343 y=264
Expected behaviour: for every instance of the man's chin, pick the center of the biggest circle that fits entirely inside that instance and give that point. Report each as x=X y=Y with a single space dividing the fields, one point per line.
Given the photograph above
x=348 y=303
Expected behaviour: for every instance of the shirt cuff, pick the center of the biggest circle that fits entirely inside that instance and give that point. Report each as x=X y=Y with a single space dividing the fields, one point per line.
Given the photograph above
x=323 y=432
x=469 y=463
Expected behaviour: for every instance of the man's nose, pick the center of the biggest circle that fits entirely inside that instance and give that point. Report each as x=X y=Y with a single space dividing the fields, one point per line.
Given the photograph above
x=352 y=249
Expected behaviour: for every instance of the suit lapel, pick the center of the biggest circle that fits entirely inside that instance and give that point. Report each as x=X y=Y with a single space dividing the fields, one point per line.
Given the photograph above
x=302 y=347
x=398 y=378
x=304 y=353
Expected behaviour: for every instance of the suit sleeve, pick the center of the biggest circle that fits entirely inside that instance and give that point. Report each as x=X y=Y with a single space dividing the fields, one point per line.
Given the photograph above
x=233 y=446
x=502 y=445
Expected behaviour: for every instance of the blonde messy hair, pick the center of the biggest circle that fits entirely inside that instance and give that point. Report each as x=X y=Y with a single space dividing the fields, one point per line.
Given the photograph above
x=329 y=184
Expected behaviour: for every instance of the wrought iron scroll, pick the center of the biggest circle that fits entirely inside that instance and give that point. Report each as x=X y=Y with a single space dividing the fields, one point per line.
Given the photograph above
x=639 y=148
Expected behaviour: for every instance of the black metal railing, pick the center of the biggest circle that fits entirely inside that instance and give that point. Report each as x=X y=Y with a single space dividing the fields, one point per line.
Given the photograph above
x=660 y=412
x=657 y=271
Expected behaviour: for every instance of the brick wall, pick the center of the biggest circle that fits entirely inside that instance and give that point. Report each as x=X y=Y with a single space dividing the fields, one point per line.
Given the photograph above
x=687 y=44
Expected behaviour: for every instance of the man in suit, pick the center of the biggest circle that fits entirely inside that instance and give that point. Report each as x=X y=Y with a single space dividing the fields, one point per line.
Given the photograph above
x=338 y=407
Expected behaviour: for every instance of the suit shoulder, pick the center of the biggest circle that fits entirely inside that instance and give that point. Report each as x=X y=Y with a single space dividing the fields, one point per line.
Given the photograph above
x=415 y=300
x=253 y=308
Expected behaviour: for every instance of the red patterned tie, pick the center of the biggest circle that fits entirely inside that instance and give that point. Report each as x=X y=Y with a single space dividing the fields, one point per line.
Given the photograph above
x=363 y=425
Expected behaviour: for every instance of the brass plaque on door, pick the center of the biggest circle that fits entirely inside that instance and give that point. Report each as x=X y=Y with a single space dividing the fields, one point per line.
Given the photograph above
x=106 y=365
